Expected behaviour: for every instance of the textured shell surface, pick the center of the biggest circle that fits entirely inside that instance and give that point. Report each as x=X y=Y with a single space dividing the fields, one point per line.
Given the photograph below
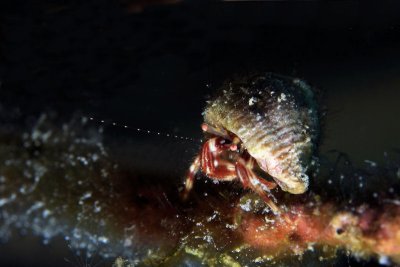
x=276 y=119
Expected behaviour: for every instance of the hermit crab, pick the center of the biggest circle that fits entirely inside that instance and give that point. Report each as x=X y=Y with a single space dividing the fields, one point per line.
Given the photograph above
x=263 y=124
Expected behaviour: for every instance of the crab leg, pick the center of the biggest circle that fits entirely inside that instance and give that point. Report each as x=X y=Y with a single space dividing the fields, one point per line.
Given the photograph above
x=210 y=162
x=251 y=180
x=194 y=168
x=216 y=168
x=267 y=186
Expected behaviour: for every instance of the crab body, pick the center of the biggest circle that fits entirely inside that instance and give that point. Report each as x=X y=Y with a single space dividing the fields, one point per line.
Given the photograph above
x=266 y=120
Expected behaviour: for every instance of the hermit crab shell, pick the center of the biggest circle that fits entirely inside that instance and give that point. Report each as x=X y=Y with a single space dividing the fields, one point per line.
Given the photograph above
x=276 y=119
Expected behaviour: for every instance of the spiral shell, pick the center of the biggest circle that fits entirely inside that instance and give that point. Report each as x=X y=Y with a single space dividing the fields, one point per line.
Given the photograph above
x=276 y=119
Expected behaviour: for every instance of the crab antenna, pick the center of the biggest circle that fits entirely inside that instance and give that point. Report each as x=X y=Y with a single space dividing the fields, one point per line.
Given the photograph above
x=141 y=130
x=215 y=131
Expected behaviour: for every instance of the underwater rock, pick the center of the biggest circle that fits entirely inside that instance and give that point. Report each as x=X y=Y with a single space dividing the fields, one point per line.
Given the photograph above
x=61 y=181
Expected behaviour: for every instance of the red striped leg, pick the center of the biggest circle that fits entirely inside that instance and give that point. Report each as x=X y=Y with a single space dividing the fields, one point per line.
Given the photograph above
x=194 y=168
x=212 y=164
x=251 y=180
x=267 y=185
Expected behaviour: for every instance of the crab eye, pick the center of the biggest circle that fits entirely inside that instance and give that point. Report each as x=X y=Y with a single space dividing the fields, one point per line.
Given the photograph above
x=233 y=147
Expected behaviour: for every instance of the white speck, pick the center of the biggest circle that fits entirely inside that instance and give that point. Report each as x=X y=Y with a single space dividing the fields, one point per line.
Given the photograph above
x=97 y=207
x=384 y=260
x=104 y=173
x=127 y=242
x=215 y=163
x=95 y=157
x=230 y=226
x=329 y=181
x=208 y=238
x=84 y=197
x=375 y=195
x=83 y=160
x=103 y=239
x=209 y=219
x=272 y=221
x=258 y=260
x=213 y=148
x=393 y=201
x=252 y=100
x=4 y=201
x=246 y=206
x=370 y=162
x=77 y=233
x=46 y=213
x=282 y=97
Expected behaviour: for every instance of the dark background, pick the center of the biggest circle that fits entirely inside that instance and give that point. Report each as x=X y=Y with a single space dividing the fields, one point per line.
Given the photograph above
x=154 y=69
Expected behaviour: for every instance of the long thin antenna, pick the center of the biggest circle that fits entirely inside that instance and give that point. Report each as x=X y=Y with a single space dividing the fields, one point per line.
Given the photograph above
x=141 y=130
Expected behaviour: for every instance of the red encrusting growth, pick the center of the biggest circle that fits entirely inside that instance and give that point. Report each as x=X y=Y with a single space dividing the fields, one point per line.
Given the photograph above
x=365 y=232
